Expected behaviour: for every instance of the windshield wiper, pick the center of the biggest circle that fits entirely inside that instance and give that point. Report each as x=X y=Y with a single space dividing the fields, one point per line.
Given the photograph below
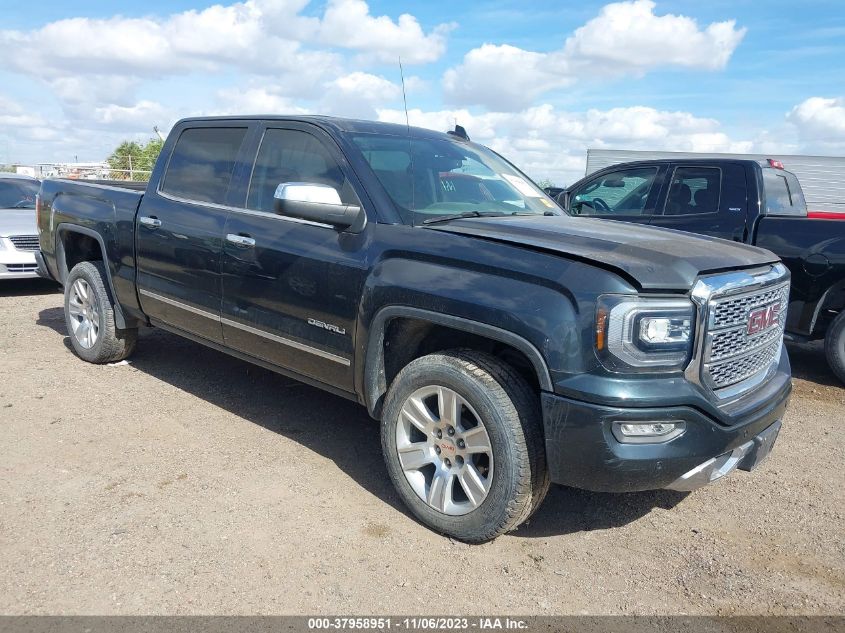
x=468 y=214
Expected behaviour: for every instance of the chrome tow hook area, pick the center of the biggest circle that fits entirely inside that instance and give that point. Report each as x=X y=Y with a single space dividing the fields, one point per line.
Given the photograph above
x=746 y=456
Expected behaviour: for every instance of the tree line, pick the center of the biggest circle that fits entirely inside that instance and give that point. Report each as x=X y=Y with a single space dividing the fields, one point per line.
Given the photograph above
x=134 y=161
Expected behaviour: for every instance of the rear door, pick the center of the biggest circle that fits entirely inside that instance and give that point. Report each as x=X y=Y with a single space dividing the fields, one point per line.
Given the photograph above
x=291 y=287
x=179 y=229
x=628 y=194
x=705 y=199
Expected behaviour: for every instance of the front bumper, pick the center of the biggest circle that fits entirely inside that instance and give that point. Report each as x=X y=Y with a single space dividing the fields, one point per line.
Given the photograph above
x=583 y=452
x=15 y=264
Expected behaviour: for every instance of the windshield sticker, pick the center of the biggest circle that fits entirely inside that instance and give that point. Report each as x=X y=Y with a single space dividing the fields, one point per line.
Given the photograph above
x=522 y=186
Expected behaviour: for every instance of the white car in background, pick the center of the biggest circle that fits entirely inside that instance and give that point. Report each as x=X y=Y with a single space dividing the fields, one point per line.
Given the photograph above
x=18 y=233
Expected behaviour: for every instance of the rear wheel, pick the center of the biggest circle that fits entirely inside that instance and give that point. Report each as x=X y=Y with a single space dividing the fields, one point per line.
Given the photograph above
x=834 y=346
x=89 y=316
x=462 y=439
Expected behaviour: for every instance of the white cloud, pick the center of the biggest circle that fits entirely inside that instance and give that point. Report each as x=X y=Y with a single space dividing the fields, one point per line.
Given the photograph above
x=820 y=121
x=349 y=22
x=237 y=101
x=267 y=36
x=14 y=115
x=625 y=38
x=549 y=143
x=142 y=115
x=103 y=71
x=630 y=35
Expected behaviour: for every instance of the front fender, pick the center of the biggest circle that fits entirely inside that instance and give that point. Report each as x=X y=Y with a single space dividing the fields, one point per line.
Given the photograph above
x=540 y=320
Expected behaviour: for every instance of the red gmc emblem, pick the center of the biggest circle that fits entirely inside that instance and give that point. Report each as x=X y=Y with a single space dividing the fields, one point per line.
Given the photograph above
x=763 y=318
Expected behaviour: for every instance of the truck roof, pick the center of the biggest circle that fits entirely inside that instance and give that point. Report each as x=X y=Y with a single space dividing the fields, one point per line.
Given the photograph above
x=338 y=124
x=704 y=160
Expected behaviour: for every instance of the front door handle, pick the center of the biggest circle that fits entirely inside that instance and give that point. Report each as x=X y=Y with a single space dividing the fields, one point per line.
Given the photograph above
x=152 y=221
x=240 y=240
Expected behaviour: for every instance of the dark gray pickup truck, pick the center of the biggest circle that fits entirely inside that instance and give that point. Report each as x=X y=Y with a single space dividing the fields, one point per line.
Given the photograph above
x=501 y=343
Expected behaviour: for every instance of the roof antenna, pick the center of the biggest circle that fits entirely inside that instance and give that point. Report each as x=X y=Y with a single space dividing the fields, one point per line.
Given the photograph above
x=408 y=128
x=459 y=132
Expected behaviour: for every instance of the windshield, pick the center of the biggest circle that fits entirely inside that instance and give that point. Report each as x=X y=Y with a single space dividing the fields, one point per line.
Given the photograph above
x=18 y=194
x=433 y=178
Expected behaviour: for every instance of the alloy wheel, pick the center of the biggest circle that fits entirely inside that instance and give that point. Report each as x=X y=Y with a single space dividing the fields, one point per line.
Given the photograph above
x=84 y=312
x=444 y=450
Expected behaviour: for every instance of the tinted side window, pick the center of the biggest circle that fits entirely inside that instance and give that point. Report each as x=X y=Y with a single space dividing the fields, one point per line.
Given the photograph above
x=202 y=163
x=623 y=192
x=783 y=193
x=293 y=156
x=18 y=193
x=694 y=190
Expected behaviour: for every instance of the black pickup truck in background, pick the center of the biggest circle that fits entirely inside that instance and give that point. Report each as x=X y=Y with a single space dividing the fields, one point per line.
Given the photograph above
x=501 y=343
x=745 y=201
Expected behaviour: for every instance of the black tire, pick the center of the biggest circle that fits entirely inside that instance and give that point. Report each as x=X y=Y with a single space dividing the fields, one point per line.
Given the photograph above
x=111 y=344
x=834 y=346
x=510 y=411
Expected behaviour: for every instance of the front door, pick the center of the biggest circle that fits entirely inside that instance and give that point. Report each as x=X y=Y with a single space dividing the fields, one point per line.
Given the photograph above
x=626 y=194
x=291 y=287
x=180 y=231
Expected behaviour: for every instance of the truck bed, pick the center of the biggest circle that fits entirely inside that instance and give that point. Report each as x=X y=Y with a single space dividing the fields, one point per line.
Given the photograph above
x=106 y=212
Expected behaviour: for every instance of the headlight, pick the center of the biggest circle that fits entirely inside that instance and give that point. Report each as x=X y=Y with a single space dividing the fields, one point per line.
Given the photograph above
x=642 y=334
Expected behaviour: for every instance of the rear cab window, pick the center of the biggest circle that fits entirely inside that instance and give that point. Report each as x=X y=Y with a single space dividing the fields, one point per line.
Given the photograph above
x=694 y=191
x=783 y=194
x=202 y=162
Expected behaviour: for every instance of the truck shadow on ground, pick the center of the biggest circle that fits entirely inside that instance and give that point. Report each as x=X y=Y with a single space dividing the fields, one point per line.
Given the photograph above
x=341 y=430
x=810 y=363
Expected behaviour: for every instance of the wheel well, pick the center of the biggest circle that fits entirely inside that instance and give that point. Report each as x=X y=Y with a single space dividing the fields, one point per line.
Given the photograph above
x=406 y=339
x=76 y=248
x=832 y=304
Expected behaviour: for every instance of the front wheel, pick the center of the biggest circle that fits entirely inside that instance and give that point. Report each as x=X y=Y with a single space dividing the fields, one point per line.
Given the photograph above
x=834 y=346
x=462 y=439
x=89 y=316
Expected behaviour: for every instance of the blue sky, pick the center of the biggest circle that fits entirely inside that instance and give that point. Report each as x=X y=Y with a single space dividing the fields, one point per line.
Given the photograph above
x=539 y=81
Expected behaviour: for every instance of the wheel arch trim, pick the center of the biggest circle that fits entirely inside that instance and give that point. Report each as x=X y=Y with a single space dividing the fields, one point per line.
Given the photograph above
x=63 y=272
x=374 y=381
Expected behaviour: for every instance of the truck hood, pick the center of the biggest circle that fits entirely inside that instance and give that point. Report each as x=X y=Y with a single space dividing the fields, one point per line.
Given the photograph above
x=654 y=258
x=17 y=222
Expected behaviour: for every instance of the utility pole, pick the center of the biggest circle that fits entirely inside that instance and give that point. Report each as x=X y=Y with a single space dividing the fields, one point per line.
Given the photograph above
x=131 y=175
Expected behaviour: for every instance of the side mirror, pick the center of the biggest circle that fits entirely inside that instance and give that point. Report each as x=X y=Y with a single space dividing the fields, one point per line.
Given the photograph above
x=317 y=203
x=563 y=199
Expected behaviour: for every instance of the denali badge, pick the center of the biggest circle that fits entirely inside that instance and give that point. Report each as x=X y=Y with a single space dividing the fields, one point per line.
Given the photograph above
x=327 y=326
x=763 y=318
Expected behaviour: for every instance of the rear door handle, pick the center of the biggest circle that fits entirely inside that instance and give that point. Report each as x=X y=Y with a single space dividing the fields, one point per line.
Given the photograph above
x=152 y=221
x=240 y=240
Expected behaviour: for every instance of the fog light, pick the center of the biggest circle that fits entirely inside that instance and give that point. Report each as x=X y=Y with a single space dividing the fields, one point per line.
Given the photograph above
x=649 y=432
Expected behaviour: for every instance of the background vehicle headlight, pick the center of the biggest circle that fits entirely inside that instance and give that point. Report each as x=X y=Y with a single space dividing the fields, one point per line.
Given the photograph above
x=644 y=334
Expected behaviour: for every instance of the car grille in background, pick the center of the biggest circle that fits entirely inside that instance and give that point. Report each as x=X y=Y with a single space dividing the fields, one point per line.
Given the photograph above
x=731 y=354
x=25 y=242
x=21 y=268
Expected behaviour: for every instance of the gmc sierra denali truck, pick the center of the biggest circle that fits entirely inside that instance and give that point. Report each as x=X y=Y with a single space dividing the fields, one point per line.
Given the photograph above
x=501 y=343
x=745 y=201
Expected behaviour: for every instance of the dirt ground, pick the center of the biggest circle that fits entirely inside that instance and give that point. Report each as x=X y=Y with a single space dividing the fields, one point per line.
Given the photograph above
x=188 y=482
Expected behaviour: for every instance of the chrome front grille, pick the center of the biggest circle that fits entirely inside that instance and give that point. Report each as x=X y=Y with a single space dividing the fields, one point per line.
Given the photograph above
x=732 y=355
x=734 y=310
x=740 y=320
x=25 y=242
x=744 y=367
